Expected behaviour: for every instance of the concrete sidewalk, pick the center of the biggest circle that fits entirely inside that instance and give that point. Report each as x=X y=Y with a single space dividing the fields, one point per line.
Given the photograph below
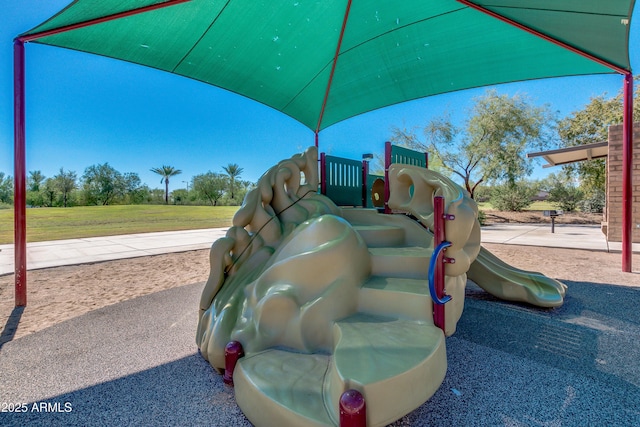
x=570 y=236
x=95 y=249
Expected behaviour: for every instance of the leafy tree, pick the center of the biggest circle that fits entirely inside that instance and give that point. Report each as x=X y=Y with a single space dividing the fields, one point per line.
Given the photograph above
x=65 y=183
x=140 y=195
x=512 y=197
x=131 y=181
x=483 y=193
x=102 y=184
x=166 y=172
x=210 y=186
x=593 y=203
x=566 y=196
x=590 y=125
x=180 y=196
x=233 y=172
x=49 y=191
x=243 y=188
x=35 y=182
x=134 y=191
x=156 y=196
x=35 y=198
x=493 y=144
x=6 y=189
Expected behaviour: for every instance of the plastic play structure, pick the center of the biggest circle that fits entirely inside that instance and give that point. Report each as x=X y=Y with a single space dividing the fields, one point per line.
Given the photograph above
x=323 y=312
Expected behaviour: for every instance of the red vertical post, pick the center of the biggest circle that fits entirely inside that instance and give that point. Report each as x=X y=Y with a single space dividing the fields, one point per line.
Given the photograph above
x=232 y=353
x=438 y=237
x=426 y=160
x=353 y=409
x=20 y=175
x=365 y=175
x=387 y=189
x=323 y=174
x=627 y=166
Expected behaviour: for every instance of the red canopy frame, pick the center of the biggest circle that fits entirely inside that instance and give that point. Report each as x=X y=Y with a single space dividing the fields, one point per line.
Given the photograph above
x=20 y=224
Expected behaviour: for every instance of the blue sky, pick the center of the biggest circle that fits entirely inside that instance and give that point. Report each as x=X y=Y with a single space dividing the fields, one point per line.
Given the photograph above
x=83 y=110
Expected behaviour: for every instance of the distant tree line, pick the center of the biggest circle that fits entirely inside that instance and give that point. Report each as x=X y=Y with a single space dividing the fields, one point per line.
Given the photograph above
x=102 y=184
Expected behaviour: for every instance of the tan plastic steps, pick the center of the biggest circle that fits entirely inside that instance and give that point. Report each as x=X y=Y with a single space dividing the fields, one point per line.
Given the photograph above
x=376 y=236
x=284 y=388
x=405 y=262
x=395 y=363
x=398 y=297
x=414 y=233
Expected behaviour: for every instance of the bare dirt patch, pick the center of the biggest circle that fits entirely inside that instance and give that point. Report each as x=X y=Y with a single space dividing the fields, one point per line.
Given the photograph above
x=61 y=293
x=537 y=217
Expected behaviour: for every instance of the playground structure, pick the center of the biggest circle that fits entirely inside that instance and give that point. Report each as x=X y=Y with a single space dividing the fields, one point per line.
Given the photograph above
x=307 y=80
x=321 y=311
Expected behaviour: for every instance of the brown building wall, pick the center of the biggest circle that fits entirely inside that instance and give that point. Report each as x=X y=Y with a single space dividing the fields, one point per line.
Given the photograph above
x=613 y=213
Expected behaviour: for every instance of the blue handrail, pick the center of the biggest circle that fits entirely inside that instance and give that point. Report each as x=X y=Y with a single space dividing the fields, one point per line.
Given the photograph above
x=432 y=268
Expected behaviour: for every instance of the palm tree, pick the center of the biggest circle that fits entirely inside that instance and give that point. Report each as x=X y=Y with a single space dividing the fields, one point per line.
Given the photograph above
x=233 y=171
x=35 y=180
x=166 y=172
x=65 y=183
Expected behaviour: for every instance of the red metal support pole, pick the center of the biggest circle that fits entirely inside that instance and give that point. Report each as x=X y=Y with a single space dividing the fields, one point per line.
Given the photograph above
x=20 y=175
x=387 y=164
x=365 y=175
x=323 y=174
x=627 y=166
x=426 y=160
x=438 y=237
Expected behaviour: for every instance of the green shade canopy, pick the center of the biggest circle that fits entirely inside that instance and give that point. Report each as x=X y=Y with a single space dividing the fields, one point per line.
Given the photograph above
x=282 y=53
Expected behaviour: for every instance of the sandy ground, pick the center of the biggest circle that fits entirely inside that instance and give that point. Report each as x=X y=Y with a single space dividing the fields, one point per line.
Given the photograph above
x=61 y=293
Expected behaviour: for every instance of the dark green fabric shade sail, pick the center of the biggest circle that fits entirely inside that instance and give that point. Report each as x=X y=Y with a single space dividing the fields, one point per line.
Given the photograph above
x=282 y=53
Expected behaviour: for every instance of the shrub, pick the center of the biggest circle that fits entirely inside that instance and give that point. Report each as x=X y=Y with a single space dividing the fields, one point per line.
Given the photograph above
x=593 y=203
x=482 y=217
x=565 y=196
x=512 y=197
x=482 y=194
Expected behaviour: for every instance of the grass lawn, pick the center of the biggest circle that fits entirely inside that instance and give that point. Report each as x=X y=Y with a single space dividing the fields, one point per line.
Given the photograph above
x=90 y=221
x=535 y=206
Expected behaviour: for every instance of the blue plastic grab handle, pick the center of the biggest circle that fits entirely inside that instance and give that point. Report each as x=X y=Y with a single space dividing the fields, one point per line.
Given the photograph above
x=432 y=268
